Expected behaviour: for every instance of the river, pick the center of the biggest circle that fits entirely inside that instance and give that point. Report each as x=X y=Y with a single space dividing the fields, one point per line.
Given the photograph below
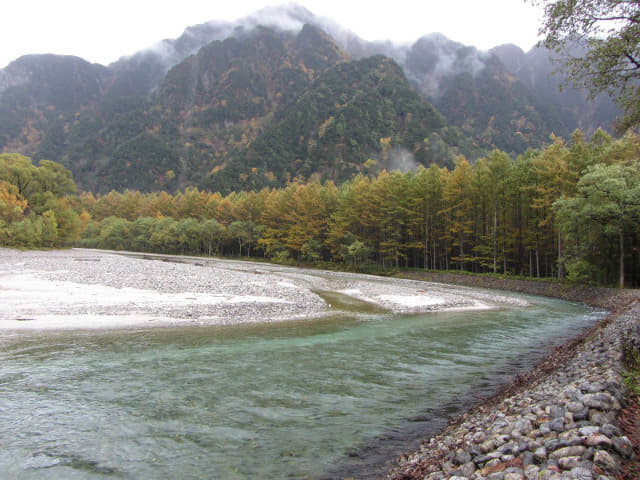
x=316 y=399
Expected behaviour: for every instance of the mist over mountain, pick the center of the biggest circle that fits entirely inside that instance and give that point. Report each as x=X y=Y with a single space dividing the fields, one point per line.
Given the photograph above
x=35 y=89
x=159 y=58
x=538 y=72
x=282 y=94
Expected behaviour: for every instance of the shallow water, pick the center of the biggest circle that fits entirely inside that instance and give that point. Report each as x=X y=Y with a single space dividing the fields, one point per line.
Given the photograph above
x=317 y=399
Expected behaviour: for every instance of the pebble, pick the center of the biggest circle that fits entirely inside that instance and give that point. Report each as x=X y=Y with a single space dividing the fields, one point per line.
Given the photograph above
x=561 y=427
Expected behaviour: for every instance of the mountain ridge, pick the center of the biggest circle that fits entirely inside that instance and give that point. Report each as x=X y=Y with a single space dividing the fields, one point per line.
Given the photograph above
x=172 y=102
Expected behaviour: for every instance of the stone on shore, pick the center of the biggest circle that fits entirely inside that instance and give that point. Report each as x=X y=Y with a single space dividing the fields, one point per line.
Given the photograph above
x=563 y=425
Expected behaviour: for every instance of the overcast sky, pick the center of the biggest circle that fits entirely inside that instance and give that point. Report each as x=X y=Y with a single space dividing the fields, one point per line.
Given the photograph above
x=101 y=32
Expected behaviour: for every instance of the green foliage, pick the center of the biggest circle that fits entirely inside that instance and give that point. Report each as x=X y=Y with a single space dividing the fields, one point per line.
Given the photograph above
x=332 y=129
x=12 y=204
x=35 y=210
x=604 y=211
x=356 y=254
x=579 y=271
x=311 y=251
x=144 y=162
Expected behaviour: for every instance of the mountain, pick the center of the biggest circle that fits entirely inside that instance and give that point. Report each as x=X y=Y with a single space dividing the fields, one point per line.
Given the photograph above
x=255 y=110
x=357 y=117
x=145 y=70
x=35 y=89
x=536 y=70
x=502 y=98
x=278 y=95
x=218 y=101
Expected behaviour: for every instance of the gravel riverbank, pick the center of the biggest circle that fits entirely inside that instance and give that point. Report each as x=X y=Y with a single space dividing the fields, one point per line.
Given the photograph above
x=88 y=289
x=569 y=418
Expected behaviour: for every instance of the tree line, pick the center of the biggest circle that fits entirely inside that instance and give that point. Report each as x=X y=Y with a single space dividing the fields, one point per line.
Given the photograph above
x=570 y=210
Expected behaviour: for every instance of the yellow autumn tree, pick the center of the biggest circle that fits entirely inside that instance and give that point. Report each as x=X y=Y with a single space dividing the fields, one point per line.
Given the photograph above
x=12 y=205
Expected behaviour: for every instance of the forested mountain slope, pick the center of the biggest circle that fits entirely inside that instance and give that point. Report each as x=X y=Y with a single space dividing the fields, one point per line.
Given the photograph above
x=281 y=94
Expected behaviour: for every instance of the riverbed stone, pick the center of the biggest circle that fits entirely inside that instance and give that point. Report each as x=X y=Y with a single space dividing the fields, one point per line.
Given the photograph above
x=462 y=457
x=588 y=454
x=549 y=475
x=610 y=430
x=575 y=406
x=479 y=437
x=598 y=440
x=556 y=411
x=523 y=425
x=493 y=465
x=570 y=436
x=540 y=454
x=527 y=458
x=604 y=459
x=601 y=401
x=545 y=428
x=508 y=448
x=552 y=444
x=557 y=424
x=581 y=414
x=568 y=463
x=531 y=472
x=597 y=417
x=514 y=476
x=496 y=476
x=593 y=387
x=435 y=476
x=467 y=469
x=565 y=426
x=577 y=450
x=495 y=455
x=589 y=430
x=487 y=446
x=580 y=473
x=623 y=446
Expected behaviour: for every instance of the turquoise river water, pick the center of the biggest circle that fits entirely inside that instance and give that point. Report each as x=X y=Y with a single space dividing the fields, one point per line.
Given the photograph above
x=319 y=399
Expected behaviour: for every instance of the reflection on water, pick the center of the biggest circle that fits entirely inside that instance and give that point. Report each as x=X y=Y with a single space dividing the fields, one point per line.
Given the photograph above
x=292 y=400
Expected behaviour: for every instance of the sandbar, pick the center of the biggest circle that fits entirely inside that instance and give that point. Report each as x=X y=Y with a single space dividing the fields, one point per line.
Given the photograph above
x=97 y=289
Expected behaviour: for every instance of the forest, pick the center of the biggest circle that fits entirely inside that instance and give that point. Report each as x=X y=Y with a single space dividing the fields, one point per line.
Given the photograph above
x=568 y=211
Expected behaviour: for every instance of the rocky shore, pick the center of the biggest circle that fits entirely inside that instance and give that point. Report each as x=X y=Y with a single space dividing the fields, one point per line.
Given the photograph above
x=571 y=417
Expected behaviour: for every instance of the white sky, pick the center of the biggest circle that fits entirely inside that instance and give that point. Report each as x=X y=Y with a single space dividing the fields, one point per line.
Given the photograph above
x=101 y=32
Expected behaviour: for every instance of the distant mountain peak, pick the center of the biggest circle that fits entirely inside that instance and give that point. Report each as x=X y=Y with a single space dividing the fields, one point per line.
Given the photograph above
x=52 y=74
x=291 y=16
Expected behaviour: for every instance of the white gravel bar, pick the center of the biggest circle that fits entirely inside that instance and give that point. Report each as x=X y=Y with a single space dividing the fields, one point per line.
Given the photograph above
x=89 y=289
